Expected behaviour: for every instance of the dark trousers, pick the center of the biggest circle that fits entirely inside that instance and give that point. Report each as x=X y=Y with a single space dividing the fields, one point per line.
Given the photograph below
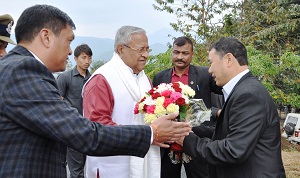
x=76 y=162
x=193 y=169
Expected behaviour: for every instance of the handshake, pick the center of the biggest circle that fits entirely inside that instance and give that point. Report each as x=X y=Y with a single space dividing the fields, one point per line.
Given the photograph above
x=166 y=130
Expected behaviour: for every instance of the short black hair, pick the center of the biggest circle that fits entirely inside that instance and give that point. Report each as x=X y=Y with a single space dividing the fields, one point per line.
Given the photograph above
x=83 y=48
x=37 y=17
x=231 y=45
x=180 y=41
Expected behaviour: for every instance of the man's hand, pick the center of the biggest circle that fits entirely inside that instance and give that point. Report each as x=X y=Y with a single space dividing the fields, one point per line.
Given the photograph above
x=180 y=141
x=167 y=130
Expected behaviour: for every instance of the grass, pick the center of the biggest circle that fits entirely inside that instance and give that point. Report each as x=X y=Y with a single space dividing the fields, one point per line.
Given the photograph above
x=290 y=158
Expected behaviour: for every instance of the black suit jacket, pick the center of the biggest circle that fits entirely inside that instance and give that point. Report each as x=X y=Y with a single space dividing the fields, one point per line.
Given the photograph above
x=247 y=141
x=202 y=82
x=36 y=126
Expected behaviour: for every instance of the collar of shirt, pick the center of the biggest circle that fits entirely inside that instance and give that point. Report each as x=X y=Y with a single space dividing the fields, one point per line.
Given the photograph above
x=184 y=78
x=185 y=73
x=76 y=72
x=36 y=57
x=230 y=85
x=135 y=76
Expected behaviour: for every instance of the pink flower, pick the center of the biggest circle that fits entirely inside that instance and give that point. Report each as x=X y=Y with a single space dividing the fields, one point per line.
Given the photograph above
x=167 y=102
x=150 y=109
x=166 y=93
x=175 y=96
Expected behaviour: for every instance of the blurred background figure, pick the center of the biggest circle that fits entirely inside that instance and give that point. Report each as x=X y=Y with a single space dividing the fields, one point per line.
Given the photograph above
x=6 y=23
x=70 y=84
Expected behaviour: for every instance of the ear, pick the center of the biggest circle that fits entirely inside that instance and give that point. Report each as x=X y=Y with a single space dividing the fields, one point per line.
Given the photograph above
x=75 y=58
x=45 y=36
x=230 y=59
x=120 y=49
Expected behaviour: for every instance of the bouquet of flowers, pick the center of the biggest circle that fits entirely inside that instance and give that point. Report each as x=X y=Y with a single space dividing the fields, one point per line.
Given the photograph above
x=165 y=99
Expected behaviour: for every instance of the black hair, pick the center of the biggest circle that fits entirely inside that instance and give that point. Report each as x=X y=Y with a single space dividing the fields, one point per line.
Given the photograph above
x=83 y=48
x=180 y=41
x=233 y=46
x=37 y=17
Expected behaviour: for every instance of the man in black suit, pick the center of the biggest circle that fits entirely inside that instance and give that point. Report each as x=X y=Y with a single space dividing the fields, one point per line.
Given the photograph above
x=247 y=140
x=198 y=78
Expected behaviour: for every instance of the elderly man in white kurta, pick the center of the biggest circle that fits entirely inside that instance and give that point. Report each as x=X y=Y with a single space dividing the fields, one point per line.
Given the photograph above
x=109 y=97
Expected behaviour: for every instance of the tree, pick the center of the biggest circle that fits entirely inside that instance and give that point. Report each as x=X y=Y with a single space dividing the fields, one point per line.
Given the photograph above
x=268 y=25
x=195 y=19
x=96 y=64
x=158 y=62
x=69 y=65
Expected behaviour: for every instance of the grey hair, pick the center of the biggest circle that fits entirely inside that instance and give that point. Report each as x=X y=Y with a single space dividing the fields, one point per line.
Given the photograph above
x=123 y=35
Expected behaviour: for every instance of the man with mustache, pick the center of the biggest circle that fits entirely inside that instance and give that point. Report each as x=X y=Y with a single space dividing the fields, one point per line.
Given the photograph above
x=198 y=78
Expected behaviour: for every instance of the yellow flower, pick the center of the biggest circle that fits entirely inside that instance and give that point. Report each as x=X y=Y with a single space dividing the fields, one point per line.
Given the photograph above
x=187 y=90
x=141 y=107
x=160 y=101
x=172 y=108
x=149 y=118
x=160 y=110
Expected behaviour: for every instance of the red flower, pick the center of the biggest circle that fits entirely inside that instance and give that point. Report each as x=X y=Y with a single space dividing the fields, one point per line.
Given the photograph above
x=176 y=87
x=151 y=91
x=136 y=108
x=155 y=96
x=180 y=101
x=176 y=147
x=145 y=107
x=143 y=99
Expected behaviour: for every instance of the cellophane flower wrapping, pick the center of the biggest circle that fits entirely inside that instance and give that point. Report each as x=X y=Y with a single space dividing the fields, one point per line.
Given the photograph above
x=197 y=112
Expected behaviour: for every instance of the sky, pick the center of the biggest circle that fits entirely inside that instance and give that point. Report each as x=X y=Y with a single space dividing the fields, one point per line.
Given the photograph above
x=99 y=18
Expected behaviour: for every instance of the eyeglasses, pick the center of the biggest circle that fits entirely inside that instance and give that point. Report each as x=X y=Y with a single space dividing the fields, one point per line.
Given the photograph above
x=139 y=50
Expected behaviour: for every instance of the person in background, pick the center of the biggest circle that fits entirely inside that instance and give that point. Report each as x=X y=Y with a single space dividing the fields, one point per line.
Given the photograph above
x=6 y=23
x=198 y=78
x=111 y=94
x=70 y=85
x=247 y=138
x=37 y=126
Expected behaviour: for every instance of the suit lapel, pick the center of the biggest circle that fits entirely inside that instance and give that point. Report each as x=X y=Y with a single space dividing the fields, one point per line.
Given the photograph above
x=168 y=75
x=218 y=135
x=192 y=77
x=237 y=84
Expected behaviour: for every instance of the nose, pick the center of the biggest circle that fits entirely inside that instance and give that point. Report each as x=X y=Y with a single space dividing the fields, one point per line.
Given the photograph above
x=209 y=70
x=145 y=54
x=2 y=52
x=70 y=51
x=88 y=60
